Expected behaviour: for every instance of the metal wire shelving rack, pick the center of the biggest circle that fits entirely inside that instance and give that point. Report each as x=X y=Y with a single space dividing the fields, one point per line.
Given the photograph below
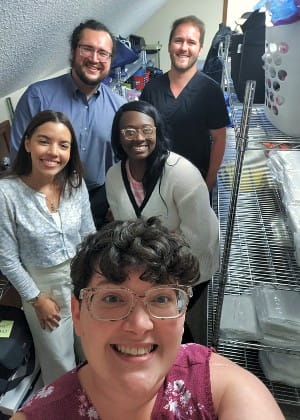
x=256 y=244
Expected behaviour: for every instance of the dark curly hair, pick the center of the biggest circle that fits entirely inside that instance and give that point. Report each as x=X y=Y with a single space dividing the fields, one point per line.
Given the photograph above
x=164 y=256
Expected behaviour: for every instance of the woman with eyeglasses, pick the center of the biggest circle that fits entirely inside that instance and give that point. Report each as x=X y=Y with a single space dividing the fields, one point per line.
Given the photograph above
x=45 y=213
x=132 y=282
x=149 y=180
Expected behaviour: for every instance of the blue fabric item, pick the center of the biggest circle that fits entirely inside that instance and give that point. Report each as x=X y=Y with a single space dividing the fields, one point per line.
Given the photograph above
x=282 y=11
x=123 y=55
x=91 y=119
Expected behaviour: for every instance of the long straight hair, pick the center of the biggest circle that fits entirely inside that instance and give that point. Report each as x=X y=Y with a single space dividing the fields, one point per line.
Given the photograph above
x=155 y=162
x=72 y=173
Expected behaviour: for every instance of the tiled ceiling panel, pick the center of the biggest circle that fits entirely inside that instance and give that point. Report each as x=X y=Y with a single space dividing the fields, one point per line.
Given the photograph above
x=34 y=34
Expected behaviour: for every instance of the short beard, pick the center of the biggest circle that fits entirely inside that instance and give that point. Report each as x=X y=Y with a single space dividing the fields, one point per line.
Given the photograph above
x=183 y=69
x=87 y=81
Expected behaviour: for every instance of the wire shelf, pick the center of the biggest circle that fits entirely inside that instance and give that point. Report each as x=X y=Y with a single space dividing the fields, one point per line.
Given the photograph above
x=262 y=251
x=262 y=134
x=248 y=358
x=262 y=247
x=256 y=244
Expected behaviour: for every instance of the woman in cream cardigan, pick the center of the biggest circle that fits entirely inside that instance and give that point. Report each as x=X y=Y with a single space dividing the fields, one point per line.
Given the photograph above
x=149 y=180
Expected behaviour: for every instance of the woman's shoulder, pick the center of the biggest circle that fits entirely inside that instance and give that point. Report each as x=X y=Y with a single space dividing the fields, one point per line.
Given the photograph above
x=113 y=176
x=65 y=395
x=9 y=179
x=116 y=168
x=192 y=353
x=181 y=168
x=177 y=162
x=236 y=390
x=18 y=416
x=11 y=184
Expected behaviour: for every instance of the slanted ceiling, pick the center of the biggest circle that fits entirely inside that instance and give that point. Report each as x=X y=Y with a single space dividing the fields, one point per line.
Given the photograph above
x=34 y=34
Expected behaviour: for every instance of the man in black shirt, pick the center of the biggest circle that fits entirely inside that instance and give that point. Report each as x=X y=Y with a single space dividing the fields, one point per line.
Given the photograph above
x=191 y=104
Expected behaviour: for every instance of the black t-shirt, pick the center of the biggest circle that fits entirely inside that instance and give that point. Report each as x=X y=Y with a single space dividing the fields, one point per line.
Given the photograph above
x=188 y=118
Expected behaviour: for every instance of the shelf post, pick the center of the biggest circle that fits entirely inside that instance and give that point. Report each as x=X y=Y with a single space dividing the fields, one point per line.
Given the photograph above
x=242 y=141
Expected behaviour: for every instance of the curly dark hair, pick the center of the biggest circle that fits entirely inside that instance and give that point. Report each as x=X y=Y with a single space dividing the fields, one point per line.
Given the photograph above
x=164 y=256
x=156 y=160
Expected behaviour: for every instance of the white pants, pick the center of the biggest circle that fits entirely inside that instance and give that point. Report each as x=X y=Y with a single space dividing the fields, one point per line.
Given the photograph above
x=54 y=349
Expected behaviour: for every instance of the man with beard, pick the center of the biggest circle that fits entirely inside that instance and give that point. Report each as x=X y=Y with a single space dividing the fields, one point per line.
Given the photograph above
x=89 y=104
x=191 y=103
x=195 y=114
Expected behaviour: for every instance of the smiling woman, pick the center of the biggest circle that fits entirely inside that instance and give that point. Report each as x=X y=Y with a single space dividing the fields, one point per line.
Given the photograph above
x=45 y=213
x=150 y=181
x=132 y=284
x=49 y=147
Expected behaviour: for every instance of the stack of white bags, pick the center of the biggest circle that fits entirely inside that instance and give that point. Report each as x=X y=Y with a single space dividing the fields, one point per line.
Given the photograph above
x=270 y=316
x=280 y=367
x=239 y=319
x=285 y=169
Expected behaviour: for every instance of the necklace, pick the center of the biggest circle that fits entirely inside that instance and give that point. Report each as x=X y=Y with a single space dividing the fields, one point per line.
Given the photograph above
x=52 y=205
x=50 y=189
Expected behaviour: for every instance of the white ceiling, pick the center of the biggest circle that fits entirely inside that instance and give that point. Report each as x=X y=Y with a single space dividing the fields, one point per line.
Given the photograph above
x=34 y=34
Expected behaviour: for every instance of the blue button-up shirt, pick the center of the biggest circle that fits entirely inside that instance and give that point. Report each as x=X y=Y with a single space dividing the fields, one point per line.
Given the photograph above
x=91 y=119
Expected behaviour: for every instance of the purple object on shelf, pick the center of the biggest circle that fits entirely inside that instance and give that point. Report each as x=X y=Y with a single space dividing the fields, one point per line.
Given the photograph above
x=282 y=11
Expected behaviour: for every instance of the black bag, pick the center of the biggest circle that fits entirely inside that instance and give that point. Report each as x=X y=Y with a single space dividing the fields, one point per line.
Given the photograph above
x=246 y=52
x=213 y=65
x=137 y=43
x=236 y=45
x=16 y=351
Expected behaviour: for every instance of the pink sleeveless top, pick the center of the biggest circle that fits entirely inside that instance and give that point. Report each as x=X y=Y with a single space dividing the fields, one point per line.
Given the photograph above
x=185 y=394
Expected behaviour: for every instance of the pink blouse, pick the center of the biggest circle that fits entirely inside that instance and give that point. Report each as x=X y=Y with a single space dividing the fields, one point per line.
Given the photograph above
x=185 y=393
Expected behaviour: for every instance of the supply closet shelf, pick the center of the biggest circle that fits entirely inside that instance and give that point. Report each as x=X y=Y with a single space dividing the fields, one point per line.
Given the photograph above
x=261 y=129
x=263 y=132
x=248 y=358
x=130 y=69
x=260 y=248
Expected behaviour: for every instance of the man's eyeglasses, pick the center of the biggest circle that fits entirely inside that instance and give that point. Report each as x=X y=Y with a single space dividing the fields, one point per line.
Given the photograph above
x=89 y=52
x=132 y=133
x=113 y=304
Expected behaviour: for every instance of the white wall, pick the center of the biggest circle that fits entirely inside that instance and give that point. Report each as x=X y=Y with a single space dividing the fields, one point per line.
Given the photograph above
x=39 y=31
x=157 y=28
x=236 y=8
x=34 y=35
x=15 y=96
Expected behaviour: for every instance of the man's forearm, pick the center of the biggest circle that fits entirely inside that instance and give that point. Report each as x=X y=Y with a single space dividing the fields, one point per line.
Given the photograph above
x=216 y=155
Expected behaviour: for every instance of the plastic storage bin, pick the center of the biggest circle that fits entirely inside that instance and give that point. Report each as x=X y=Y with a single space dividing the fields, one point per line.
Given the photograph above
x=140 y=78
x=282 y=61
